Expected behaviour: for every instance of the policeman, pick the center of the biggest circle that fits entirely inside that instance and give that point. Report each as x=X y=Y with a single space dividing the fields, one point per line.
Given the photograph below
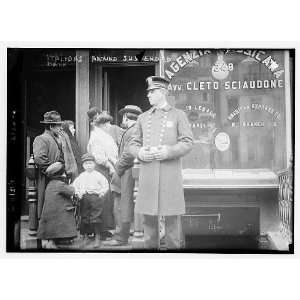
x=162 y=136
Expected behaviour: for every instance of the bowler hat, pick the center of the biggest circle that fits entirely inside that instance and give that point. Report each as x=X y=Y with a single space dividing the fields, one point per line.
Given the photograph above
x=157 y=82
x=51 y=117
x=103 y=118
x=87 y=157
x=130 y=109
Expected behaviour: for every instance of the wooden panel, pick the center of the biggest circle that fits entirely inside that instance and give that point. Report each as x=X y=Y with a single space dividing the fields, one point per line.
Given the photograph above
x=222 y=221
x=106 y=87
x=82 y=99
x=230 y=204
x=96 y=85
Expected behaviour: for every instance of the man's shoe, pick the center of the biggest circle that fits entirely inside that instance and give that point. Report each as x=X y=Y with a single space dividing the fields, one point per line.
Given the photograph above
x=105 y=235
x=114 y=243
x=138 y=234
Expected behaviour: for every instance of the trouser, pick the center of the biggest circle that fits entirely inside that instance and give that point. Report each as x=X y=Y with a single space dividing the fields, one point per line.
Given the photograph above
x=108 y=205
x=173 y=234
x=91 y=209
x=91 y=228
x=117 y=209
x=124 y=233
x=107 y=215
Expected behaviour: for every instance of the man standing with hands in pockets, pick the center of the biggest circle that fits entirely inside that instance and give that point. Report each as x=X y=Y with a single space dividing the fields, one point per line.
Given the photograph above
x=162 y=136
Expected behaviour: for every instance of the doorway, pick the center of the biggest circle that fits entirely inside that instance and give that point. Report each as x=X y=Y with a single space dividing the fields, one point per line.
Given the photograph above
x=124 y=85
x=45 y=91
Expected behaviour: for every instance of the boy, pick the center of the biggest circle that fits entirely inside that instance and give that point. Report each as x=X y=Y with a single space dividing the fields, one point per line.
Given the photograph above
x=91 y=187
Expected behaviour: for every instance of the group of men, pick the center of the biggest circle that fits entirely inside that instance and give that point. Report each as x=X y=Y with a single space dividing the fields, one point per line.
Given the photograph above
x=158 y=138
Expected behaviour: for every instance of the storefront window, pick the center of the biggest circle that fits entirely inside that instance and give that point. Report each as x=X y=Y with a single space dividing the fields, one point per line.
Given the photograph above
x=235 y=102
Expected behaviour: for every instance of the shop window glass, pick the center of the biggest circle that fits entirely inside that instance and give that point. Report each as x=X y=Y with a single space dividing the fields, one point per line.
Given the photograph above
x=235 y=104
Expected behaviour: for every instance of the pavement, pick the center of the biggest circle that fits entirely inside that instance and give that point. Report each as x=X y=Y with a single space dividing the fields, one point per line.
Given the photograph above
x=30 y=242
x=79 y=244
x=273 y=241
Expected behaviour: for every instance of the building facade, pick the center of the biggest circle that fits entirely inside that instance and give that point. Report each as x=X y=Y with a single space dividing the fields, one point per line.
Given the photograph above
x=239 y=103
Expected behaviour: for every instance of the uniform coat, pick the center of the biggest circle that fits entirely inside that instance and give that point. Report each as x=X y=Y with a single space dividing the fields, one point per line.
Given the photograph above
x=57 y=218
x=124 y=170
x=46 y=152
x=160 y=182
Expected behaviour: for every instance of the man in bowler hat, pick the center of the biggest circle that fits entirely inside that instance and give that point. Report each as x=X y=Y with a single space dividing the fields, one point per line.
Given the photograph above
x=47 y=150
x=162 y=136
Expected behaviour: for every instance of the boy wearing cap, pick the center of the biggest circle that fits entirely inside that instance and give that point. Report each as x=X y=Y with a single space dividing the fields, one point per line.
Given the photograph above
x=91 y=188
x=162 y=136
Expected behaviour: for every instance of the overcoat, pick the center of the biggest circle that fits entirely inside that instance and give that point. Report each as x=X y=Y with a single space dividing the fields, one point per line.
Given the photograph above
x=124 y=170
x=69 y=158
x=46 y=151
x=57 y=218
x=160 y=182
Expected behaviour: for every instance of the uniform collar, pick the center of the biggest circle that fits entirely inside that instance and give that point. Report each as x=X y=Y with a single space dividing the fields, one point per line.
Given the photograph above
x=165 y=108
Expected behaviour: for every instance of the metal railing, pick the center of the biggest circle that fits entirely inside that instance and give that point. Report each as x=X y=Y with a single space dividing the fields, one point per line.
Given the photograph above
x=286 y=202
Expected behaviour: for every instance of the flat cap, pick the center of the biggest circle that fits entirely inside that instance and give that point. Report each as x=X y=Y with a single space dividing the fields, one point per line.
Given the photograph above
x=87 y=157
x=130 y=109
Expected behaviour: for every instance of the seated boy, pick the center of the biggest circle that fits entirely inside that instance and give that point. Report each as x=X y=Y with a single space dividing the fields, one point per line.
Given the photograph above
x=91 y=187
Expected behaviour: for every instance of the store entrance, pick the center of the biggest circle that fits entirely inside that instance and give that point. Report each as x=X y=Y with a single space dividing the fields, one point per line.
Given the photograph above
x=125 y=85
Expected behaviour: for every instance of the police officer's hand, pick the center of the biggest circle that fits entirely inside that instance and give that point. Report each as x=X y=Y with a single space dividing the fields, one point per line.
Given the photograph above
x=161 y=153
x=146 y=155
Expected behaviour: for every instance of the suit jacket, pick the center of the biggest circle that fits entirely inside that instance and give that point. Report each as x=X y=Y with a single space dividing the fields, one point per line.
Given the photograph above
x=160 y=182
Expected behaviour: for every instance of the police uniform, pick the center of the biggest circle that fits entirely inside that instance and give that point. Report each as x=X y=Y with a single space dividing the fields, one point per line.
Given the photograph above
x=160 y=182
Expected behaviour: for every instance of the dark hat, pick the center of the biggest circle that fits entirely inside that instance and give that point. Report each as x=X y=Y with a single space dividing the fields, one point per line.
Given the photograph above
x=87 y=157
x=130 y=109
x=92 y=112
x=103 y=118
x=52 y=117
x=157 y=82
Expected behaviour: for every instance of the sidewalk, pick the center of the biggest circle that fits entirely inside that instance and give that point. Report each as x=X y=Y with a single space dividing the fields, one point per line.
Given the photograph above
x=28 y=242
x=134 y=243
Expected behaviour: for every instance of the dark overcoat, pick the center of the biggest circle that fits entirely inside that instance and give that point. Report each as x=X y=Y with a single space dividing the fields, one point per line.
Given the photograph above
x=124 y=170
x=160 y=182
x=46 y=152
x=57 y=218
